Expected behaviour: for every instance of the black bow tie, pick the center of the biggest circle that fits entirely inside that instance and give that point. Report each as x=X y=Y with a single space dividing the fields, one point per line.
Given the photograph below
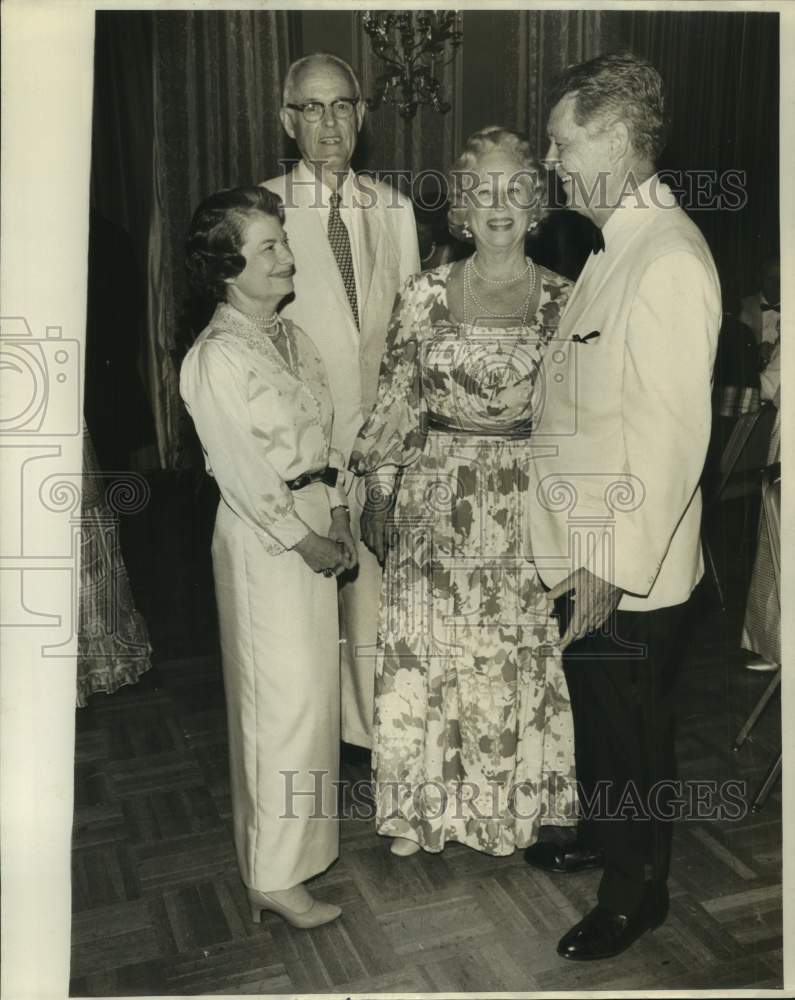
x=598 y=240
x=767 y=305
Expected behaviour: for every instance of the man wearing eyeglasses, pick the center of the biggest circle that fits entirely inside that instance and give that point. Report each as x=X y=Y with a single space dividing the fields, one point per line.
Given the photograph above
x=355 y=242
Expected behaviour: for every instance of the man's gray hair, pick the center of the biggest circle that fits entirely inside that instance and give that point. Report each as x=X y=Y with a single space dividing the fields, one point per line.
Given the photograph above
x=618 y=85
x=288 y=90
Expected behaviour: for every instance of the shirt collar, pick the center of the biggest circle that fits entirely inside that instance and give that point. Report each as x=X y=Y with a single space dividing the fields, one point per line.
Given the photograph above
x=633 y=209
x=306 y=175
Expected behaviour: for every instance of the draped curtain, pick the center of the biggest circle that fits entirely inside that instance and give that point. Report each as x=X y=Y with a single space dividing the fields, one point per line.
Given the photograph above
x=116 y=401
x=217 y=92
x=122 y=124
x=722 y=75
x=538 y=45
x=509 y=59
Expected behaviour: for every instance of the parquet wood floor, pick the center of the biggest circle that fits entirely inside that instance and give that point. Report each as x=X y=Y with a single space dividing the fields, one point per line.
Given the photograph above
x=158 y=907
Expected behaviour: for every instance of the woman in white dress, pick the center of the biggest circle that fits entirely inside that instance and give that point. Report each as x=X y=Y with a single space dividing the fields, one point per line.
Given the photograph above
x=257 y=391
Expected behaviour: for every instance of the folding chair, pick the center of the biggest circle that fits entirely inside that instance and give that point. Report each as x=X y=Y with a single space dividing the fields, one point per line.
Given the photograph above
x=747 y=428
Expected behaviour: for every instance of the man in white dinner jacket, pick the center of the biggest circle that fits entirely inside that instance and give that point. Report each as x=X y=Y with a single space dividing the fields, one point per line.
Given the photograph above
x=352 y=254
x=620 y=441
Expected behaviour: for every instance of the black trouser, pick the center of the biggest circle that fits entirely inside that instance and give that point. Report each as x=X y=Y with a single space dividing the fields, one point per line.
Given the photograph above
x=622 y=702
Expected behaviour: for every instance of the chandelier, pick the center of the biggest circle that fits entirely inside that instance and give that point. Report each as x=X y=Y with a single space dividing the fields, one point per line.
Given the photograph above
x=414 y=45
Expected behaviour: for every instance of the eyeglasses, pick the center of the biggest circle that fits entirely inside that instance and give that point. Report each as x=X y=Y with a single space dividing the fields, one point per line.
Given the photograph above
x=313 y=111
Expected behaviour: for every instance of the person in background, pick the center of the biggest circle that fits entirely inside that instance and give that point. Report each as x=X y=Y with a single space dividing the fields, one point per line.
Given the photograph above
x=258 y=394
x=762 y=624
x=621 y=441
x=737 y=362
x=354 y=243
x=761 y=311
x=735 y=384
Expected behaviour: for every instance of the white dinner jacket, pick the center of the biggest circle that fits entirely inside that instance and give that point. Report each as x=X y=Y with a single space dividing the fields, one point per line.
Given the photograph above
x=623 y=418
x=388 y=254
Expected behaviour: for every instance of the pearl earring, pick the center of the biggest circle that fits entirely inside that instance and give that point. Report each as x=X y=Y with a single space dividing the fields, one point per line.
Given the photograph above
x=466 y=231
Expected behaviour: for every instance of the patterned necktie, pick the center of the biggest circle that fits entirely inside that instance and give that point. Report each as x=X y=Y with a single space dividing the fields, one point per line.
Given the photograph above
x=341 y=248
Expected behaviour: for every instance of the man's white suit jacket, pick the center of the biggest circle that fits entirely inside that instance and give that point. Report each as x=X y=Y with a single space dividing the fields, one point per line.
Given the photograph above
x=388 y=255
x=623 y=409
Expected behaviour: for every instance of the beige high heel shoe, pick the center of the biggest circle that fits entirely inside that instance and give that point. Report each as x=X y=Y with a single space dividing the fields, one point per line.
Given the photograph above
x=403 y=847
x=317 y=914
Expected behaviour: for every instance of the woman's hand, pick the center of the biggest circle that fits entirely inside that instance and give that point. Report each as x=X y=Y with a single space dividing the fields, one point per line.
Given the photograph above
x=322 y=555
x=373 y=531
x=340 y=532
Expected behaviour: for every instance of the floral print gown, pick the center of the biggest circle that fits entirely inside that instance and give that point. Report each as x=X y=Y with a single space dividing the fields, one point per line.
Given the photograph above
x=473 y=737
x=113 y=646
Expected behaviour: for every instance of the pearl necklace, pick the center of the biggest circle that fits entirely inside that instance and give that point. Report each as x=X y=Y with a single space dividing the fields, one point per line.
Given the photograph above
x=266 y=323
x=274 y=328
x=500 y=281
x=485 y=311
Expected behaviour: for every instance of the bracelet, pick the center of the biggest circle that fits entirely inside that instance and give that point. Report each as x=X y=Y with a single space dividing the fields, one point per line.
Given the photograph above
x=340 y=506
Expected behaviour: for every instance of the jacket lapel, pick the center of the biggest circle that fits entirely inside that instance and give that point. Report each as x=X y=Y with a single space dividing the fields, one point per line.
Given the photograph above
x=595 y=274
x=370 y=227
x=309 y=230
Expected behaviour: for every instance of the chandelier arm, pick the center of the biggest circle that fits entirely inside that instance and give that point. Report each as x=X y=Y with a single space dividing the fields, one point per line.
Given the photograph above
x=418 y=43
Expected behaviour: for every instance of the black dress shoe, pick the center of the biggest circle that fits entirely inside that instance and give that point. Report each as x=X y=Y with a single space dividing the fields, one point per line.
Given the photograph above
x=603 y=933
x=561 y=858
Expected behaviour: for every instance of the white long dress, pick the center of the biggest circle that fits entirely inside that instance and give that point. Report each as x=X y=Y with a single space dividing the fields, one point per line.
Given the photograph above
x=262 y=420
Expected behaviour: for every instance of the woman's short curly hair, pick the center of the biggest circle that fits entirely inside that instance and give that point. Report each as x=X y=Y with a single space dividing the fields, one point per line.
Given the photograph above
x=488 y=140
x=217 y=234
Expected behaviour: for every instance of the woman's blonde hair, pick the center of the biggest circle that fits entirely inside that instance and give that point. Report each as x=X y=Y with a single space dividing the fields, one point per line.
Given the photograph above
x=487 y=140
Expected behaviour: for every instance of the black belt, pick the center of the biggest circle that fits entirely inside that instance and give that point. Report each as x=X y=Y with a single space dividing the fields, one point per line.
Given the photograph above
x=519 y=433
x=328 y=476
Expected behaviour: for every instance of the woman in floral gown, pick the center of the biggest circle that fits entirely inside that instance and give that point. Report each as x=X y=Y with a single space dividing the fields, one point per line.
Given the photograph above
x=473 y=734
